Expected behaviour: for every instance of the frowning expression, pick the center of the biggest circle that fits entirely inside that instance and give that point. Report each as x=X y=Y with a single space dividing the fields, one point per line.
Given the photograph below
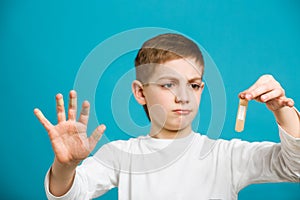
x=173 y=93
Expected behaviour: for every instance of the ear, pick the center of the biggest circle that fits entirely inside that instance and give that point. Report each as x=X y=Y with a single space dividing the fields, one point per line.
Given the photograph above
x=137 y=90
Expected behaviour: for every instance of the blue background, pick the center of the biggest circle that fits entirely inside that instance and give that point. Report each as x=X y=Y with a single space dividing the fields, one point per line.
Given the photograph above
x=43 y=43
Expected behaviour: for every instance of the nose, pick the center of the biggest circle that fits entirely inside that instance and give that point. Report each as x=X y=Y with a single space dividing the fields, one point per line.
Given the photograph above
x=182 y=96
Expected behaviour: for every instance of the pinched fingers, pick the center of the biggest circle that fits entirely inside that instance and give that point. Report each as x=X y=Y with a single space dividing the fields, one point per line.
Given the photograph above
x=84 y=114
x=60 y=108
x=247 y=93
x=72 y=105
x=44 y=121
x=264 y=89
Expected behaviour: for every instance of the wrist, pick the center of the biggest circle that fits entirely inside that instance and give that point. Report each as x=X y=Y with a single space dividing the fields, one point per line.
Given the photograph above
x=61 y=178
x=281 y=111
x=288 y=118
x=63 y=170
x=67 y=165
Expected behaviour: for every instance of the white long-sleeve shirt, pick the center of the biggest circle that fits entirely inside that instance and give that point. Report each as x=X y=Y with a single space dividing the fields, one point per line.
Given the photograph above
x=194 y=167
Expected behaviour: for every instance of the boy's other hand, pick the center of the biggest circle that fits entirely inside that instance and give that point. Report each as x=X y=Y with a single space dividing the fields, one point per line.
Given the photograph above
x=68 y=137
x=267 y=90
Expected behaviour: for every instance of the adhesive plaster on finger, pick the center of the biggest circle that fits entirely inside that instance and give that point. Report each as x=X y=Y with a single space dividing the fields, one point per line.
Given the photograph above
x=73 y=101
x=60 y=102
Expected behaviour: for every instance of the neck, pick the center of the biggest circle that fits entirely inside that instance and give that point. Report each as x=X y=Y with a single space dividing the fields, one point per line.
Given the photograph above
x=164 y=133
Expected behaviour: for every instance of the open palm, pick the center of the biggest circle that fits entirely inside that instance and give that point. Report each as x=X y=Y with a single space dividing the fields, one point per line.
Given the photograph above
x=69 y=139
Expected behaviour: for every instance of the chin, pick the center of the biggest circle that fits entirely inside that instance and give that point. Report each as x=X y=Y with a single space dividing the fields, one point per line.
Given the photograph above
x=177 y=126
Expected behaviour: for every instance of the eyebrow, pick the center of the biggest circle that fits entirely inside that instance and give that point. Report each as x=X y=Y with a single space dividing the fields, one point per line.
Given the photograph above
x=196 y=79
x=174 y=78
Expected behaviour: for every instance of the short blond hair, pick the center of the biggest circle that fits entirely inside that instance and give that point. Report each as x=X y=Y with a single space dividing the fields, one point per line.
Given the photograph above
x=167 y=47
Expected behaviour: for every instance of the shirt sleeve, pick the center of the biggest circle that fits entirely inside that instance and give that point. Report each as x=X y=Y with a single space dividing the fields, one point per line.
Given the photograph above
x=261 y=162
x=92 y=179
x=71 y=194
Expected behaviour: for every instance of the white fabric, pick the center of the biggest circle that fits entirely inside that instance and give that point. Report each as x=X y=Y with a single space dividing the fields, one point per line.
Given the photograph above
x=220 y=172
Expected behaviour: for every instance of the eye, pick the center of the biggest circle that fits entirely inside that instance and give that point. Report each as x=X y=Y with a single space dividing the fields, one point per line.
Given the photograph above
x=195 y=86
x=168 y=85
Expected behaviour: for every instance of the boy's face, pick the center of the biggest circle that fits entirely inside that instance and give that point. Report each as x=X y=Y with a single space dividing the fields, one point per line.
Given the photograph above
x=173 y=94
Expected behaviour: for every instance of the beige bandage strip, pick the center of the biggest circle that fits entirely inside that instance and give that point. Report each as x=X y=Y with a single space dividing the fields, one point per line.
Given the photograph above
x=73 y=101
x=40 y=115
x=60 y=102
x=241 y=115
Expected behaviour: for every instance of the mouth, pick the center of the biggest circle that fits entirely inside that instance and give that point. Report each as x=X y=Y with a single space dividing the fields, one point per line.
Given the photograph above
x=182 y=111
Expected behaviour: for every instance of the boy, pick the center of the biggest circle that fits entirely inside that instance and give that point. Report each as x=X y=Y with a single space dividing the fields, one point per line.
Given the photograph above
x=166 y=164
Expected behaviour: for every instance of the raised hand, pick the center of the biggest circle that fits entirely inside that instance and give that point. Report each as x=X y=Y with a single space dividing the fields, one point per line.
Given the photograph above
x=68 y=137
x=267 y=90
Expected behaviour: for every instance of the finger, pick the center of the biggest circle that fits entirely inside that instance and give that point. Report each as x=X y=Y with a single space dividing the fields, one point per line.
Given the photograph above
x=247 y=93
x=60 y=108
x=261 y=86
x=72 y=105
x=260 y=90
x=242 y=95
x=44 y=121
x=288 y=102
x=274 y=94
x=250 y=94
x=280 y=102
x=96 y=135
x=84 y=114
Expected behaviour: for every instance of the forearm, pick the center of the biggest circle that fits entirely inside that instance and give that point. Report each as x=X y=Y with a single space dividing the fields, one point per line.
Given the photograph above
x=289 y=120
x=61 y=178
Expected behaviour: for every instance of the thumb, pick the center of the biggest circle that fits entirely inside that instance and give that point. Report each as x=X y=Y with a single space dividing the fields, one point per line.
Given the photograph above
x=96 y=136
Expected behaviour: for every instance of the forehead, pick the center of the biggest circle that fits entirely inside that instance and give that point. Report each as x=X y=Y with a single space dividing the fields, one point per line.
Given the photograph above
x=179 y=68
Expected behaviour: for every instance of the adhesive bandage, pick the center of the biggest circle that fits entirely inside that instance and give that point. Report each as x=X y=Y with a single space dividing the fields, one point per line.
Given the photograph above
x=241 y=115
x=73 y=101
x=60 y=102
